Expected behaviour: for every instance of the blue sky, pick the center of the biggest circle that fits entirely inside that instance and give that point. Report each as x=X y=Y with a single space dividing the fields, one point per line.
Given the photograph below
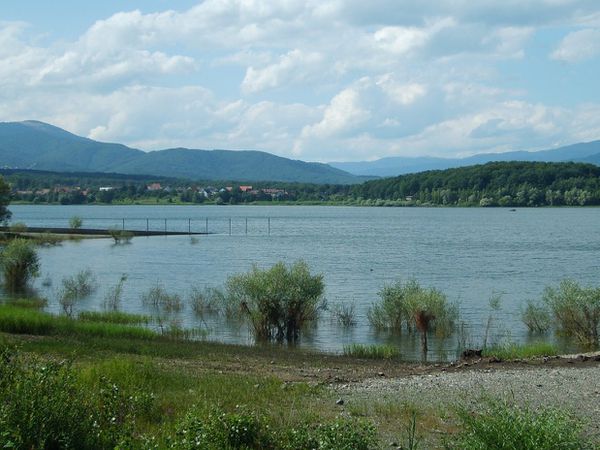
x=327 y=80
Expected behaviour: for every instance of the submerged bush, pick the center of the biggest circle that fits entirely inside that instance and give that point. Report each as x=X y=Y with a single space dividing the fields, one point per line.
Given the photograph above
x=206 y=301
x=536 y=317
x=499 y=424
x=75 y=222
x=20 y=263
x=159 y=298
x=344 y=314
x=278 y=301
x=576 y=310
x=408 y=306
x=76 y=288
x=112 y=298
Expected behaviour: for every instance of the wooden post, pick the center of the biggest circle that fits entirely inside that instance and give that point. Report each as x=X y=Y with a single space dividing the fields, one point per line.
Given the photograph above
x=207 y=225
x=189 y=226
x=165 y=226
x=246 y=226
x=123 y=224
x=230 y=226
x=269 y=226
x=147 y=225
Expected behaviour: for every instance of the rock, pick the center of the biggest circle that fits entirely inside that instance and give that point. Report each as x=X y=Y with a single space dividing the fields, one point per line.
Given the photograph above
x=339 y=401
x=471 y=353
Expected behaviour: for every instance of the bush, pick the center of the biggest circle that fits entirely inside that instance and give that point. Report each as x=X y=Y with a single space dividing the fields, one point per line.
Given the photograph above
x=341 y=434
x=500 y=424
x=120 y=236
x=278 y=301
x=344 y=314
x=75 y=222
x=536 y=317
x=219 y=430
x=160 y=299
x=576 y=310
x=18 y=227
x=112 y=298
x=20 y=263
x=412 y=307
x=206 y=301
x=45 y=406
x=76 y=288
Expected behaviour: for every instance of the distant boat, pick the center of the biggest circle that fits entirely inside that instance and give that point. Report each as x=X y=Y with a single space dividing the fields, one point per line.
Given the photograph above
x=512 y=210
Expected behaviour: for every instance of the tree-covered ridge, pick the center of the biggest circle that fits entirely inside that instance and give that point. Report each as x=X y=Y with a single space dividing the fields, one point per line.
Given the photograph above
x=492 y=184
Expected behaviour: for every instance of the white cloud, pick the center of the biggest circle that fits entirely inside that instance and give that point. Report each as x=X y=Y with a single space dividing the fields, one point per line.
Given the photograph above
x=578 y=46
x=293 y=67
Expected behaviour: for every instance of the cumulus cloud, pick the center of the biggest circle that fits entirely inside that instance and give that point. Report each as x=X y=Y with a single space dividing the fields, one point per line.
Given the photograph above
x=578 y=46
x=318 y=79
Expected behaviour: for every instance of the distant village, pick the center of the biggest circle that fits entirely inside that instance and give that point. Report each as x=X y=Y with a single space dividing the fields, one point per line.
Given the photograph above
x=109 y=193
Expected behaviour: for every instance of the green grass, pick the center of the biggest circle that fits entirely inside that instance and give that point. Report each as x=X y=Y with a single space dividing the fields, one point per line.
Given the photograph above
x=502 y=425
x=374 y=351
x=114 y=317
x=33 y=303
x=26 y=321
x=520 y=351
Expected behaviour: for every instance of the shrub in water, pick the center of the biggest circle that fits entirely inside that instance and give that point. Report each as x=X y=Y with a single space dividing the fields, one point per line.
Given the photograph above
x=408 y=306
x=536 y=317
x=278 y=301
x=112 y=298
x=20 y=263
x=75 y=222
x=159 y=298
x=206 y=301
x=576 y=310
x=498 y=424
x=76 y=288
x=344 y=314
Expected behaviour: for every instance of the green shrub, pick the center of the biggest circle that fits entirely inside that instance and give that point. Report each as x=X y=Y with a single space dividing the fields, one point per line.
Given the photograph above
x=120 y=236
x=412 y=307
x=44 y=406
x=206 y=301
x=501 y=425
x=114 y=295
x=75 y=222
x=536 y=317
x=219 y=430
x=344 y=314
x=160 y=299
x=20 y=263
x=576 y=310
x=278 y=301
x=18 y=227
x=341 y=434
x=76 y=288
x=374 y=351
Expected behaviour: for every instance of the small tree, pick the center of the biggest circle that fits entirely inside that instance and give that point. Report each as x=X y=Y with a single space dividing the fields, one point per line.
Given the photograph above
x=576 y=309
x=278 y=301
x=75 y=222
x=408 y=306
x=20 y=263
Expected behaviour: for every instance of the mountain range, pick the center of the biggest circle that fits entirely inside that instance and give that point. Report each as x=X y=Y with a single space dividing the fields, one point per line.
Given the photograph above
x=386 y=167
x=37 y=145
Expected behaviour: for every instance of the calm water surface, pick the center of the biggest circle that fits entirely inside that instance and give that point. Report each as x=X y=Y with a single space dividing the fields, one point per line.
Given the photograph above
x=470 y=254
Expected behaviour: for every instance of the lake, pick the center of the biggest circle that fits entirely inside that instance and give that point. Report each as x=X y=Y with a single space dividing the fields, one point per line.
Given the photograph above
x=468 y=253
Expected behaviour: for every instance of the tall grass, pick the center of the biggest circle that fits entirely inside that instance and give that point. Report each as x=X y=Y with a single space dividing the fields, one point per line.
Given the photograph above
x=114 y=317
x=502 y=425
x=520 y=351
x=26 y=321
x=373 y=351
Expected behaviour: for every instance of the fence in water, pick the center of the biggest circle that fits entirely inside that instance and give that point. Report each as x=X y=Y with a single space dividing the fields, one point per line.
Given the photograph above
x=233 y=226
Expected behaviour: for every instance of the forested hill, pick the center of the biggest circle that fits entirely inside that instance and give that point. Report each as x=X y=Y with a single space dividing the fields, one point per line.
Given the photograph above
x=491 y=184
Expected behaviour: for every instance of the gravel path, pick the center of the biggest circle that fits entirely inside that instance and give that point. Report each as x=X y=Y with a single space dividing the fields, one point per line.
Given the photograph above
x=574 y=388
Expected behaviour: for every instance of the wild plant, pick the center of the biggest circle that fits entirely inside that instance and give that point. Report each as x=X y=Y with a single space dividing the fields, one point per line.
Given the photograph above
x=536 y=317
x=344 y=314
x=76 y=288
x=20 y=263
x=160 y=299
x=114 y=295
x=208 y=300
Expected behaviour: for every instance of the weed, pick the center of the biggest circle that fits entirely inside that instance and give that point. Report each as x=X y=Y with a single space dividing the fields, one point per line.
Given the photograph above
x=76 y=288
x=112 y=298
x=206 y=301
x=517 y=427
x=160 y=299
x=344 y=314
x=536 y=317
x=19 y=262
x=518 y=351
x=373 y=351
x=113 y=317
